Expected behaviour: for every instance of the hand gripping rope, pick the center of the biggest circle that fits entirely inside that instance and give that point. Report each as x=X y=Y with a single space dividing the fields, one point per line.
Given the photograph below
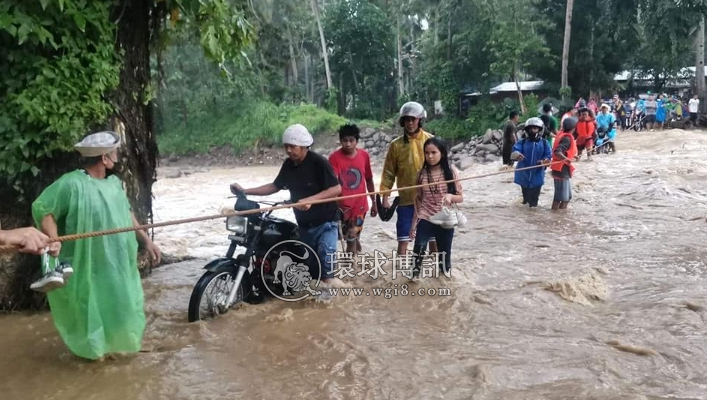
x=66 y=238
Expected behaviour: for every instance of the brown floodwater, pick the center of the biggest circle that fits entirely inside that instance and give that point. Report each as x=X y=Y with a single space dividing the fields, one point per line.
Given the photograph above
x=604 y=301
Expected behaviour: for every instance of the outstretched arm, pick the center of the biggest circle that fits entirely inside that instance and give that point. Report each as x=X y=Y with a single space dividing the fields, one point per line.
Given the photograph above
x=146 y=242
x=29 y=240
x=264 y=190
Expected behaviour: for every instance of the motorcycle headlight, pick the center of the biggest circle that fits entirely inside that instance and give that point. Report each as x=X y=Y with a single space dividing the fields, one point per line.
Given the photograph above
x=237 y=224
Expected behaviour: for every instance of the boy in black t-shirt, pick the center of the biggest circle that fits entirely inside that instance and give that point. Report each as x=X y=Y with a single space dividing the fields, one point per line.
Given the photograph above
x=308 y=176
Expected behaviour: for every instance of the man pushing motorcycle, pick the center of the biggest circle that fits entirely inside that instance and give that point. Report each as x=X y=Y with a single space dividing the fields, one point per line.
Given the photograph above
x=309 y=177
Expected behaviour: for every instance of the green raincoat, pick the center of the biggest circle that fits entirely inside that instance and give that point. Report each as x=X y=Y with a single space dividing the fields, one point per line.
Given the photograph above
x=100 y=310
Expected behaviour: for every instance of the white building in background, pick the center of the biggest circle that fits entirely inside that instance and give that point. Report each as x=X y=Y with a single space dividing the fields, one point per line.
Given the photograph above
x=682 y=83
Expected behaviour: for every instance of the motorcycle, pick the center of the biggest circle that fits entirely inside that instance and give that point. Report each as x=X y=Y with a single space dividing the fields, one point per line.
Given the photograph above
x=247 y=277
x=605 y=140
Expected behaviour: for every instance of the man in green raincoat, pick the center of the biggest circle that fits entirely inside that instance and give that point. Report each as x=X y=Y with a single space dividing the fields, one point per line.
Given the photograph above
x=99 y=311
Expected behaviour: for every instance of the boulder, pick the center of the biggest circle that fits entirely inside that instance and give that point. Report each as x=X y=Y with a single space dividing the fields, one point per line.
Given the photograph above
x=488 y=137
x=173 y=174
x=489 y=148
x=497 y=136
x=458 y=148
x=465 y=163
x=367 y=133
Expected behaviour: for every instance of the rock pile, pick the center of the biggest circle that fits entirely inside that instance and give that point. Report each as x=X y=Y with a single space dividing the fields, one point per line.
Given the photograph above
x=481 y=149
x=375 y=142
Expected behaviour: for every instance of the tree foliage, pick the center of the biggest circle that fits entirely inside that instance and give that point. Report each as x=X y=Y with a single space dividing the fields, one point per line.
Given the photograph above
x=213 y=60
x=60 y=68
x=59 y=63
x=359 y=35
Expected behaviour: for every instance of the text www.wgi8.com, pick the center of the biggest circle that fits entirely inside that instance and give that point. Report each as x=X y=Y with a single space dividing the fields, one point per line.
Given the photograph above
x=389 y=292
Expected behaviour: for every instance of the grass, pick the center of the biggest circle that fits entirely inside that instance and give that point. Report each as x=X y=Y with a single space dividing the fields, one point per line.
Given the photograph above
x=449 y=128
x=259 y=123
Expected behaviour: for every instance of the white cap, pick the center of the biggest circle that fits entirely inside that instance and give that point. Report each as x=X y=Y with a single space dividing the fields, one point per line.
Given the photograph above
x=98 y=144
x=297 y=135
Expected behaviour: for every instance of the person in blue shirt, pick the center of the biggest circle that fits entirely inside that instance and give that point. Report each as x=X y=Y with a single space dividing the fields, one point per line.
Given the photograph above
x=606 y=118
x=606 y=122
x=530 y=151
x=660 y=114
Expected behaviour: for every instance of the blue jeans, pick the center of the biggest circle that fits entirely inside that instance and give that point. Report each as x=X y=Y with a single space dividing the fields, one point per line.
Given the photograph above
x=322 y=238
x=426 y=230
x=404 y=223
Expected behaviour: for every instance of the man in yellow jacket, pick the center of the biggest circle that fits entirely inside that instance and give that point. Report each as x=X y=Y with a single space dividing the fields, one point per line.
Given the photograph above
x=402 y=163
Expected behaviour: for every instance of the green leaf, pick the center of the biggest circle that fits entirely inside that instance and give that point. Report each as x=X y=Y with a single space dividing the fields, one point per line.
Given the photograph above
x=80 y=21
x=44 y=3
x=35 y=171
x=12 y=30
x=23 y=32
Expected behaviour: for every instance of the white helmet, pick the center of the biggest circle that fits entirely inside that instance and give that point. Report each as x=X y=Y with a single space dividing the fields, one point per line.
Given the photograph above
x=535 y=121
x=297 y=135
x=413 y=109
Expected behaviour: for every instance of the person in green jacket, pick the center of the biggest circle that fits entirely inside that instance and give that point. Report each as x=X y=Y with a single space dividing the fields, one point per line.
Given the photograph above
x=99 y=310
x=551 y=127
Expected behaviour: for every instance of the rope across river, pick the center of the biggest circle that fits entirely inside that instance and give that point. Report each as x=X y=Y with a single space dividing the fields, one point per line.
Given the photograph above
x=66 y=238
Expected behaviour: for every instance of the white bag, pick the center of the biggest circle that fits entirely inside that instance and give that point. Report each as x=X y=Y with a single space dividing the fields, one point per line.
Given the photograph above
x=461 y=218
x=446 y=218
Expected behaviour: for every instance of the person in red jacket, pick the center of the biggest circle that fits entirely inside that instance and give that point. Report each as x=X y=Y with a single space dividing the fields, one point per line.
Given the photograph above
x=586 y=131
x=564 y=149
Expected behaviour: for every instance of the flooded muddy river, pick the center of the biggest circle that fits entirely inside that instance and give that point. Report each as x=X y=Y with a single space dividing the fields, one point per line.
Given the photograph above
x=604 y=301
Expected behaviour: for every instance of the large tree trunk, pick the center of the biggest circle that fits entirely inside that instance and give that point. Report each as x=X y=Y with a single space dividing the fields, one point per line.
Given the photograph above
x=18 y=270
x=413 y=66
x=566 y=45
x=401 y=88
x=293 y=60
x=357 y=88
x=308 y=93
x=591 y=57
x=315 y=9
x=435 y=27
x=700 y=63
x=449 y=32
x=520 y=92
x=139 y=155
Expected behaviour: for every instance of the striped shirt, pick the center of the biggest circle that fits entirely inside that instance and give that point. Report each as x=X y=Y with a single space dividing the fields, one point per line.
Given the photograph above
x=429 y=198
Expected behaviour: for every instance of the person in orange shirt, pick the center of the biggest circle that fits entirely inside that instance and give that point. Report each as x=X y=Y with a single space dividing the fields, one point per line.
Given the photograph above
x=564 y=149
x=586 y=132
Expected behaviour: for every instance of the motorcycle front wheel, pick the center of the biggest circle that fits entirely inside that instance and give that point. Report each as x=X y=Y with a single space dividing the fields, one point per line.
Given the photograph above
x=208 y=299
